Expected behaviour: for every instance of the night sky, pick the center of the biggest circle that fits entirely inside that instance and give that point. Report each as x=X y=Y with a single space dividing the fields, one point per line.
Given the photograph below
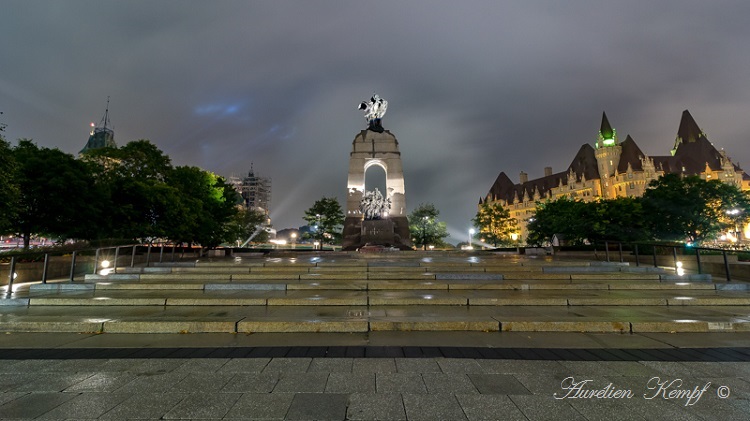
x=474 y=88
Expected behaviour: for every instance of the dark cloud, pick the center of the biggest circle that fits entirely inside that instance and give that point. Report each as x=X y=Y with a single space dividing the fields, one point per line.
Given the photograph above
x=473 y=88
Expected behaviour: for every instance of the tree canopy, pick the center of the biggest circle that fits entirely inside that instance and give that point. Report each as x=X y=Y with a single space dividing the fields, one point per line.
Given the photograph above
x=247 y=225
x=9 y=193
x=57 y=196
x=425 y=228
x=494 y=224
x=132 y=193
x=326 y=219
x=674 y=208
x=680 y=208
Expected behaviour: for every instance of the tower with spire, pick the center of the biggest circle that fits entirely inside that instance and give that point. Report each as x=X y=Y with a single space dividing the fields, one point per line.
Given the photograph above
x=101 y=136
x=608 y=152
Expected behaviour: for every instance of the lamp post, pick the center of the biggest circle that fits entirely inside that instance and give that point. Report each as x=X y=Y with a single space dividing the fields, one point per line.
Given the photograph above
x=424 y=232
x=471 y=234
x=294 y=240
x=734 y=212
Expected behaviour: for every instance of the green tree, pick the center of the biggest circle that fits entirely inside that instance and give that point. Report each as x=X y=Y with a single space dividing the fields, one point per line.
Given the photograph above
x=494 y=224
x=562 y=216
x=56 y=197
x=620 y=219
x=248 y=224
x=327 y=219
x=691 y=208
x=9 y=193
x=205 y=206
x=425 y=228
x=140 y=204
x=139 y=159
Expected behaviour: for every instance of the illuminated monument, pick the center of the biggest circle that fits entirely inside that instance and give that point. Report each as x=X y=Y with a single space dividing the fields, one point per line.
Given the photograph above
x=375 y=218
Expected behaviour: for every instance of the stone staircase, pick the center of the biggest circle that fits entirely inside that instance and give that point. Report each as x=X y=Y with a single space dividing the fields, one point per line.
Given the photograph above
x=349 y=292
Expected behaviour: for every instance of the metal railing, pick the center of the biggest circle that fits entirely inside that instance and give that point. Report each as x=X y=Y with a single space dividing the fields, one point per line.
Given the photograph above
x=669 y=247
x=115 y=253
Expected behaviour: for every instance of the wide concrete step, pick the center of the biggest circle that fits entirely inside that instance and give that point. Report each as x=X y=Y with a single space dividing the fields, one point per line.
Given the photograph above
x=397 y=276
x=241 y=319
x=373 y=298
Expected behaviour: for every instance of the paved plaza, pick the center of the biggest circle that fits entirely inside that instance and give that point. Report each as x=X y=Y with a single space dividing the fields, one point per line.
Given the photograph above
x=343 y=337
x=225 y=376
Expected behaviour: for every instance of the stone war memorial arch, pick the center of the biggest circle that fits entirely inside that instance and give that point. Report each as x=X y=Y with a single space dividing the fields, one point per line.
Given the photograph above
x=375 y=218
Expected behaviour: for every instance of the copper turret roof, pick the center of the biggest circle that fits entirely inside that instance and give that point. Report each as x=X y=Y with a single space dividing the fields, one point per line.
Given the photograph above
x=606 y=128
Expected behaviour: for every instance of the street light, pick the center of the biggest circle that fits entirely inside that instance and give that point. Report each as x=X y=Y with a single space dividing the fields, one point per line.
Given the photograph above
x=294 y=240
x=424 y=232
x=471 y=234
x=734 y=212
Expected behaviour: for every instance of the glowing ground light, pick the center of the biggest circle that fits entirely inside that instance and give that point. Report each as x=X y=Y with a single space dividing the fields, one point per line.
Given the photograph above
x=105 y=267
x=683 y=298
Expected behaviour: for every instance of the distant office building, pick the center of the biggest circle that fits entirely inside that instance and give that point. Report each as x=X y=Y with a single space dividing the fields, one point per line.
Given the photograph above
x=612 y=169
x=101 y=136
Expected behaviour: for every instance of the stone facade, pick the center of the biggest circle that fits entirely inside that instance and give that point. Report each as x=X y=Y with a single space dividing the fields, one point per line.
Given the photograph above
x=373 y=148
x=612 y=169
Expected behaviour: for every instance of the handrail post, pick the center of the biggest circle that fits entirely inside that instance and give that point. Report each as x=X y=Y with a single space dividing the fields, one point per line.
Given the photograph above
x=72 y=266
x=10 y=274
x=132 y=257
x=637 y=263
x=606 y=250
x=161 y=253
x=174 y=246
x=726 y=265
x=117 y=254
x=654 y=249
x=619 y=244
x=674 y=255
x=96 y=260
x=148 y=254
x=44 y=270
x=698 y=258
